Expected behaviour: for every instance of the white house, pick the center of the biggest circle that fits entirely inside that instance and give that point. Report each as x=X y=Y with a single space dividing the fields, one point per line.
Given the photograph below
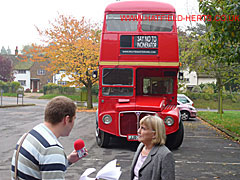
x=61 y=78
x=21 y=70
x=192 y=79
x=23 y=77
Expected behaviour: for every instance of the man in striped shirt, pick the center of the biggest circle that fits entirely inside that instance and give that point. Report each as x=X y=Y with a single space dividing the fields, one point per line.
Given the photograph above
x=41 y=156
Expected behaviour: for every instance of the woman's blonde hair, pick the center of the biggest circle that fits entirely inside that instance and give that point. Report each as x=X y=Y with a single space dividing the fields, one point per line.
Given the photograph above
x=156 y=124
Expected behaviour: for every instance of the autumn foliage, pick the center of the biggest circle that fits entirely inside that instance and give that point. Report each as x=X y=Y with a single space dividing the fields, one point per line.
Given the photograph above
x=71 y=45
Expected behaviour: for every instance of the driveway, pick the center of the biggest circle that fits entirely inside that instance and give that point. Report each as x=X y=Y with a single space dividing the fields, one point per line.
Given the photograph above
x=205 y=153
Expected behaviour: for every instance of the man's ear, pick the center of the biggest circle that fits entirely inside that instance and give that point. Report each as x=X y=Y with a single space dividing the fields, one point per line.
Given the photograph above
x=66 y=119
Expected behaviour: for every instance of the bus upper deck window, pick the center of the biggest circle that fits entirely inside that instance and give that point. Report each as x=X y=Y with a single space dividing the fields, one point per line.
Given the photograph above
x=121 y=22
x=157 y=22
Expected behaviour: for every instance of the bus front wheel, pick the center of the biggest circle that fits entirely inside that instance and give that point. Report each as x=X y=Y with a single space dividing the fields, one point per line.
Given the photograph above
x=175 y=140
x=102 y=138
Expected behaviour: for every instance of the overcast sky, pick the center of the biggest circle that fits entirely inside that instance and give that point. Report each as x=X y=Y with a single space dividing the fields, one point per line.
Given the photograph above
x=18 y=18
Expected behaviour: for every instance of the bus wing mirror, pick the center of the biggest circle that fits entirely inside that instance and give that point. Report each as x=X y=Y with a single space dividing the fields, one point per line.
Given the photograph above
x=94 y=74
x=180 y=75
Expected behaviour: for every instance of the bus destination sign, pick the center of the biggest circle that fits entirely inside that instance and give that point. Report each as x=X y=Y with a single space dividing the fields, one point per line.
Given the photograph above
x=147 y=42
x=138 y=51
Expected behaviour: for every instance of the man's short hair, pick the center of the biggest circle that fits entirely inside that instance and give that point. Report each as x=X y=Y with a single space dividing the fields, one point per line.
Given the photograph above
x=58 y=108
x=156 y=124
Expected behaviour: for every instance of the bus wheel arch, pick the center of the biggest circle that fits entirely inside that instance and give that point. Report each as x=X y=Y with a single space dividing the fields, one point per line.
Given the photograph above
x=102 y=138
x=175 y=140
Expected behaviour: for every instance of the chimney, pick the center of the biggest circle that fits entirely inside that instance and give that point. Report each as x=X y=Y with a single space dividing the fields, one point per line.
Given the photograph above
x=16 y=51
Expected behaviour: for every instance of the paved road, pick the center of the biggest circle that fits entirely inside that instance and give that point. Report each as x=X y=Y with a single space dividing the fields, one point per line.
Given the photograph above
x=205 y=153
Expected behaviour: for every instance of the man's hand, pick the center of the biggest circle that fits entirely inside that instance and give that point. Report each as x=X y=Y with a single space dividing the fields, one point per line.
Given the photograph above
x=73 y=157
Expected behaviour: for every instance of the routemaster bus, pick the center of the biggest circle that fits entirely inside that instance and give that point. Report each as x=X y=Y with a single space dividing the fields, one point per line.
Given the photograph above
x=138 y=71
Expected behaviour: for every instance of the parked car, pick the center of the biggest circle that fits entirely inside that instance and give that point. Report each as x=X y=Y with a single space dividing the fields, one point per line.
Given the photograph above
x=187 y=111
x=184 y=99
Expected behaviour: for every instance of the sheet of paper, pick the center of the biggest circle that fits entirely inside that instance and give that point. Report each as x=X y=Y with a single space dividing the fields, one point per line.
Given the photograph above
x=87 y=172
x=109 y=172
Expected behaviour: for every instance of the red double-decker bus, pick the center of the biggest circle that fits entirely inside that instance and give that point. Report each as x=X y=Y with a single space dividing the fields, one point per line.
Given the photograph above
x=138 y=71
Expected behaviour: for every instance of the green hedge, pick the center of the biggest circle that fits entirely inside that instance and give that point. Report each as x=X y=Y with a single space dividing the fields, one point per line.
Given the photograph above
x=52 y=88
x=9 y=87
x=213 y=96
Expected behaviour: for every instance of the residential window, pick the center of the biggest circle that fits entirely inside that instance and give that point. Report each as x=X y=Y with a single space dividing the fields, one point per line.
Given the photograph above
x=22 y=82
x=41 y=72
x=21 y=71
x=187 y=80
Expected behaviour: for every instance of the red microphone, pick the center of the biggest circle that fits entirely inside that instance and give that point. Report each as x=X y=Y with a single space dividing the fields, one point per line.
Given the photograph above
x=79 y=146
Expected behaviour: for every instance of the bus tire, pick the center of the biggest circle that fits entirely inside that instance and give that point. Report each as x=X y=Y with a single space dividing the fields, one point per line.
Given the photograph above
x=175 y=140
x=102 y=138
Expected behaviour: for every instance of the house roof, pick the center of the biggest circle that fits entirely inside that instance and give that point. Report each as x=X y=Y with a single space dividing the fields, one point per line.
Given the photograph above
x=20 y=62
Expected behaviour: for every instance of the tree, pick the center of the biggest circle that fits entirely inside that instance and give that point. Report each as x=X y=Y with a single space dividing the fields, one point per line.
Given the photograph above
x=223 y=35
x=3 y=50
x=188 y=51
x=6 y=69
x=9 y=51
x=221 y=43
x=71 y=45
x=196 y=60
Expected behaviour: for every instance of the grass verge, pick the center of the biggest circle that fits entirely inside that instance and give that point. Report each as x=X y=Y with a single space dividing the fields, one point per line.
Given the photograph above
x=73 y=97
x=10 y=94
x=230 y=121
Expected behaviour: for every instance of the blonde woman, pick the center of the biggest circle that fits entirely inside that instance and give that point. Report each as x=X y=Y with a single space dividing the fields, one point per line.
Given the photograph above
x=152 y=160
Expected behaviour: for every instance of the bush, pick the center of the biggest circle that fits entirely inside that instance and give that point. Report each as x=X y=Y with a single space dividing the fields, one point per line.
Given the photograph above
x=215 y=96
x=68 y=90
x=14 y=86
x=95 y=89
x=3 y=86
x=27 y=90
x=10 y=87
x=196 y=89
x=52 y=88
x=232 y=97
x=208 y=89
x=206 y=96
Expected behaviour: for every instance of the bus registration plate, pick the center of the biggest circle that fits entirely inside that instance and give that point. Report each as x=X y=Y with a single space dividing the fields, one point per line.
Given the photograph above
x=132 y=137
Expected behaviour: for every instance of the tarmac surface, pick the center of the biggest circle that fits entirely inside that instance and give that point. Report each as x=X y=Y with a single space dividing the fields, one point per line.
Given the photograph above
x=206 y=153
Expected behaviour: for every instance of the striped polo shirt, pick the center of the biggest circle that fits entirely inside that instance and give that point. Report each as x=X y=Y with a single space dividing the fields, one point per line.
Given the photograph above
x=41 y=156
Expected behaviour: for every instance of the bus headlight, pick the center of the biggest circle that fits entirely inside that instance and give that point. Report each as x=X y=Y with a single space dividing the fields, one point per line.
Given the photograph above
x=107 y=119
x=169 y=121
